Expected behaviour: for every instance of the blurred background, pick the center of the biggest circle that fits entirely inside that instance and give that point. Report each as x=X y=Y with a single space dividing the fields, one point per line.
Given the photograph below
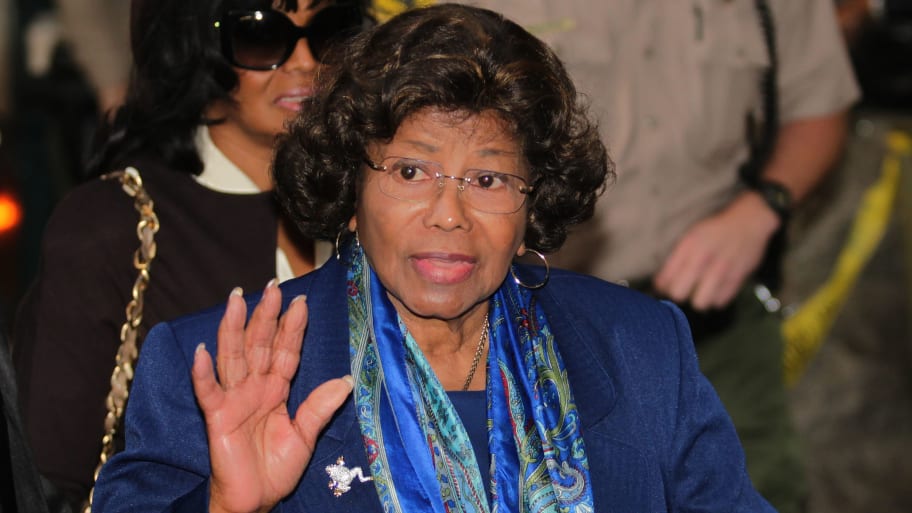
x=847 y=297
x=848 y=289
x=62 y=64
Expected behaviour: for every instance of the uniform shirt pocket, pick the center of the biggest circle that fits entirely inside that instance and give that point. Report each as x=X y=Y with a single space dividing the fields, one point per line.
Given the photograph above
x=729 y=60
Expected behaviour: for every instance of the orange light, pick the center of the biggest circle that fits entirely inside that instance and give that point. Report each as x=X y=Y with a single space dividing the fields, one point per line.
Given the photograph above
x=10 y=213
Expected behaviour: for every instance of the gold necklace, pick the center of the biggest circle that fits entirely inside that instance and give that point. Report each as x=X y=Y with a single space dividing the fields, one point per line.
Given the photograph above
x=478 y=350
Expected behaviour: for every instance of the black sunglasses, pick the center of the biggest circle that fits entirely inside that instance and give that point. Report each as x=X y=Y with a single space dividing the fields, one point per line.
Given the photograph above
x=264 y=40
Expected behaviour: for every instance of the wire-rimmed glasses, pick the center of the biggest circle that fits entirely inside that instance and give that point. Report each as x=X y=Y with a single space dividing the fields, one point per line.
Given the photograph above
x=416 y=180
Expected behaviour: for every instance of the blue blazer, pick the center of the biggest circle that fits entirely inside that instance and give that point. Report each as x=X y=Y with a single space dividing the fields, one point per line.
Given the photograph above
x=657 y=438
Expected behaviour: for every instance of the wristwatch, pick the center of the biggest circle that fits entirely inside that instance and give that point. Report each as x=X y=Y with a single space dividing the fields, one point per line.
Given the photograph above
x=776 y=196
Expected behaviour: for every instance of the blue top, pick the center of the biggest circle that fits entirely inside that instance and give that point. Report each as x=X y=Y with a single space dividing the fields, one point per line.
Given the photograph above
x=472 y=409
x=656 y=435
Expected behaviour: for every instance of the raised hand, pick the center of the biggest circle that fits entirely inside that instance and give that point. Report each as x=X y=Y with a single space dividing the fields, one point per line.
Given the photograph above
x=257 y=452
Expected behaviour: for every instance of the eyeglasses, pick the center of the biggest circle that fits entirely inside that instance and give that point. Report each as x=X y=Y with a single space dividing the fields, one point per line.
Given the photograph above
x=416 y=180
x=264 y=40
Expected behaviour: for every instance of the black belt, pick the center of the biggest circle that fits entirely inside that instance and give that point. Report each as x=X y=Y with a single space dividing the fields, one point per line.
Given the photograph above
x=703 y=324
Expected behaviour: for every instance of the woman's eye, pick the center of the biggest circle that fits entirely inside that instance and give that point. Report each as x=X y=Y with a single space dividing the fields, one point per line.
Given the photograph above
x=411 y=172
x=489 y=181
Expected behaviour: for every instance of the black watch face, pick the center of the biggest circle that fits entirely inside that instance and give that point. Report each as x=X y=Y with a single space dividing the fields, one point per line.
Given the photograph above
x=777 y=197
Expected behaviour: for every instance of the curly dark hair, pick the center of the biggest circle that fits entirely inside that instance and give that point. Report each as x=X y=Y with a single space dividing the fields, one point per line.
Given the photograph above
x=178 y=70
x=457 y=59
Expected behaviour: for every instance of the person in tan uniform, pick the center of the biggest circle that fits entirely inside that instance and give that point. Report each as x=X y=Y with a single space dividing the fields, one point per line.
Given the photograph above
x=673 y=84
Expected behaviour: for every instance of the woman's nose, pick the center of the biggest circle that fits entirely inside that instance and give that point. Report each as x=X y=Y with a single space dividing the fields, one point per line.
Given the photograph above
x=446 y=208
x=301 y=59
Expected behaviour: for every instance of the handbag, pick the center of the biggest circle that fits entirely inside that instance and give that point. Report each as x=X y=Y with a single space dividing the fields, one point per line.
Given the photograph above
x=122 y=375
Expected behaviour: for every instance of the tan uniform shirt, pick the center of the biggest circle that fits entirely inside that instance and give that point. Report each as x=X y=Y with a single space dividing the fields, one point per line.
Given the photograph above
x=671 y=82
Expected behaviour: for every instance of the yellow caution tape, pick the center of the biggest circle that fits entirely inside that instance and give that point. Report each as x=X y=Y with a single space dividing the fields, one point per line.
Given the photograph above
x=805 y=331
x=386 y=9
x=383 y=10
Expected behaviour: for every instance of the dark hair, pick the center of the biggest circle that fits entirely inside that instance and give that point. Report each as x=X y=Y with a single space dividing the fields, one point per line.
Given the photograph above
x=459 y=59
x=178 y=70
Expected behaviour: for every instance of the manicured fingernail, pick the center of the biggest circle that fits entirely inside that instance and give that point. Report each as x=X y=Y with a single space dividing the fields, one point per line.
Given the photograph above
x=302 y=297
x=237 y=291
x=272 y=283
x=200 y=348
x=349 y=379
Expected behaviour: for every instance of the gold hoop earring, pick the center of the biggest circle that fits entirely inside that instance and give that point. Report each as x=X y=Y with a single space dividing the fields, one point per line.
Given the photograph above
x=537 y=285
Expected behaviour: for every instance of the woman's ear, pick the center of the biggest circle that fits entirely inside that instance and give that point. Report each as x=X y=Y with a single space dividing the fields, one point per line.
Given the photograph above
x=353 y=224
x=521 y=250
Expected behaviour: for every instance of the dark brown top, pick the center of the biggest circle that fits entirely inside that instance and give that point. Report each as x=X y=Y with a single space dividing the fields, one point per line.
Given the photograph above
x=67 y=329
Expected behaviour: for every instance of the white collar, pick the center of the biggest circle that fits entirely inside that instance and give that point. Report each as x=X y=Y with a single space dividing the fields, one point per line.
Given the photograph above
x=219 y=173
x=222 y=175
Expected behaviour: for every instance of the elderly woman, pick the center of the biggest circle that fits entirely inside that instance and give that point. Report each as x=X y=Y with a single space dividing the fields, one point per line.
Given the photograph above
x=437 y=148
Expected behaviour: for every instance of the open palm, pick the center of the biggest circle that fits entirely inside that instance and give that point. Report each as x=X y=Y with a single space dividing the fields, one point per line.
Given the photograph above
x=257 y=452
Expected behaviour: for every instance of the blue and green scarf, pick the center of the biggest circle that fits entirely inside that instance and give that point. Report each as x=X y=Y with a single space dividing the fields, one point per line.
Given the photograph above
x=538 y=459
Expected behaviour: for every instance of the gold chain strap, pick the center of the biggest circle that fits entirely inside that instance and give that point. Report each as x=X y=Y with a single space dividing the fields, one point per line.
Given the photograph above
x=122 y=375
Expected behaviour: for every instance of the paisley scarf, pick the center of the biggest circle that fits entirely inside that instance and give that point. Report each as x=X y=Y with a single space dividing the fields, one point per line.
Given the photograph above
x=420 y=455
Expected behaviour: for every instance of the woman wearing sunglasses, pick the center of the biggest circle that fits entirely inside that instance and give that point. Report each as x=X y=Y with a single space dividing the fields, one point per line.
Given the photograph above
x=213 y=84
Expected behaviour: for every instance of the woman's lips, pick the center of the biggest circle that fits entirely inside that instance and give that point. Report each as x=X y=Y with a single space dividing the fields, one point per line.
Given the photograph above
x=291 y=100
x=443 y=268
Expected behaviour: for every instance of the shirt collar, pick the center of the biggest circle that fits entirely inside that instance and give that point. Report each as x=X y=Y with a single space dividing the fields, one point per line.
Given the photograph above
x=219 y=173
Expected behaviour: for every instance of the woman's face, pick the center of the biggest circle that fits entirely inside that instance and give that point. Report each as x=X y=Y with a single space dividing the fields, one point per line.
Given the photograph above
x=439 y=258
x=265 y=100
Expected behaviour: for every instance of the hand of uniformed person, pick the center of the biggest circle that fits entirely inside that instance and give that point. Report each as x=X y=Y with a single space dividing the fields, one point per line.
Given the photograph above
x=711 y=262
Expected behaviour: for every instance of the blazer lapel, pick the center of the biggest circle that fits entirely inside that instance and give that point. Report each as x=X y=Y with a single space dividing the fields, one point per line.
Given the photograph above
x=324 y=356
x=592 y=385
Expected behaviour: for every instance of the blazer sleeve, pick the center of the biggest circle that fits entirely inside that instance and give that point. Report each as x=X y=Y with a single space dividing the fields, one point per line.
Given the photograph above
x=165 y=466
x=705 y=464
